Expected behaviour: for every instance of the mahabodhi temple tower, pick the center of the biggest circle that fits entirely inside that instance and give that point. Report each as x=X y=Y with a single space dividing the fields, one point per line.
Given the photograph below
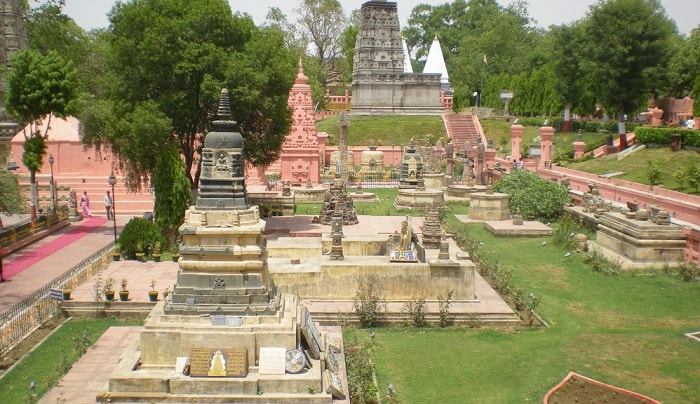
x=13 y=36
x=379 y=84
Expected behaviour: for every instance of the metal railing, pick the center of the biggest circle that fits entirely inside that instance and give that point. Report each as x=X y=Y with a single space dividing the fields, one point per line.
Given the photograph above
x=23 y=318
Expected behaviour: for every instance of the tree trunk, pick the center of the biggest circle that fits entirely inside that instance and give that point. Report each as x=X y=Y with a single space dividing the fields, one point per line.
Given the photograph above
x=34 y=197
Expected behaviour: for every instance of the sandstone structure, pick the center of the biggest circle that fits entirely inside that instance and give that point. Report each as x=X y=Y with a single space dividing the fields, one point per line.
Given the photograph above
x=225 y=333
x=379 y=83
x=300 y=159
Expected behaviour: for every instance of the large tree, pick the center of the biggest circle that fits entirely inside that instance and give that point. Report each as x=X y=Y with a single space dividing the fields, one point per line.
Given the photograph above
x=39 y=87
x=626 y=46
x=322 y=23
x=11 y=198
x=471 y=33
x=176 y=55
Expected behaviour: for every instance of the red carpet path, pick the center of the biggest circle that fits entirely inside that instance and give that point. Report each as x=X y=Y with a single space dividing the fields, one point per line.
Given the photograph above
x=31 y=257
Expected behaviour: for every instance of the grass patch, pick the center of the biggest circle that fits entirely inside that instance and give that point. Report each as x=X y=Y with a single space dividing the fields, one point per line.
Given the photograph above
x=46 y=364
x=386 y=130
x=609 y=328
x=635 y=166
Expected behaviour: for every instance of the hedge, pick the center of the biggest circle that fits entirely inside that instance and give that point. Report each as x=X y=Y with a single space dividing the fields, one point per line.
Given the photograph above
x=649 y=135
x=587 y=126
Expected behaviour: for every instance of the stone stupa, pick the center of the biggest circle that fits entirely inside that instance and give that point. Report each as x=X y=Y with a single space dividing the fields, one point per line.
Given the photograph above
x=225 y=333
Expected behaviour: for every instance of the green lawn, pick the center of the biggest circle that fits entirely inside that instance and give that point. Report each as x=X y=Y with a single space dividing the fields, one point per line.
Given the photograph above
x=626 y=330
x=386 y=130
x=48 y=362
x=635 y=166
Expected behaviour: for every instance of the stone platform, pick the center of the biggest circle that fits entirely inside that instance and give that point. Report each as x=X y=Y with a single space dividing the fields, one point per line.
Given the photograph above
x=506 y=228
x=422 y=199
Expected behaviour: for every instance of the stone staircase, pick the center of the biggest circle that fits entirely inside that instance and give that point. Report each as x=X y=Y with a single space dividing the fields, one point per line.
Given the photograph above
x=462 y=129
x=126 y=203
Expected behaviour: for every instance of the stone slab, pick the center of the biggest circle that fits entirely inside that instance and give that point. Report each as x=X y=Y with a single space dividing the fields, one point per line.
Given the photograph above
x=506 y=228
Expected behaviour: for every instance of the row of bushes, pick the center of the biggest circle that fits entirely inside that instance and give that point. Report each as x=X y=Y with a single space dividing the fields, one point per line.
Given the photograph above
x=576 y=125
x=649 y=135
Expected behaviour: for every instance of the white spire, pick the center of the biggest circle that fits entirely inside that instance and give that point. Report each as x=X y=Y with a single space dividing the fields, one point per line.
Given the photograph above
x=407 y=66
x=436 y=62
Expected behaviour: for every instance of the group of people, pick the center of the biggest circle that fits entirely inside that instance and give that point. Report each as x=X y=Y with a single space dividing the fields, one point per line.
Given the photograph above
x=518 y=164
x=85 y=205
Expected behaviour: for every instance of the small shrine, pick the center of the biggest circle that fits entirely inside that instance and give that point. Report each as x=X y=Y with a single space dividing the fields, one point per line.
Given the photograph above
x=405 y=244
x=432 y=231
x=411 y=168
x=337 y=202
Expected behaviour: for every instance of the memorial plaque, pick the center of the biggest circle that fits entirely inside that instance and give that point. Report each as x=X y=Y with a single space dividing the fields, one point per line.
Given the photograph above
x=215 y=362
x=332 y=343
x=189 y=301
x=228 y=321
x=272 y=361
x=311 y=334
x=181 y=363
x=334 y=386
x=331 y=361
x=218 y=320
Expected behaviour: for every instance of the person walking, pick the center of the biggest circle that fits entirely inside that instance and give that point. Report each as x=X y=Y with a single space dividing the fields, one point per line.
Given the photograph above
x=108 y=206
x=85 y=205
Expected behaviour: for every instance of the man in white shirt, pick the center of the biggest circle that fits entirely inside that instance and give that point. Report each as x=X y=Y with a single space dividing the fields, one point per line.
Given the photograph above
x=108 y=206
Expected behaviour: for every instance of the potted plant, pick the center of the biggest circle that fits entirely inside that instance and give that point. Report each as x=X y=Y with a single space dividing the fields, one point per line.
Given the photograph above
x=166 y=292
x=153 y=293
x=117 y=253
x=156 y=251
x=66 y=293
x=140 y=256
x=175 y=252
x=108 y=289
x=124 y=294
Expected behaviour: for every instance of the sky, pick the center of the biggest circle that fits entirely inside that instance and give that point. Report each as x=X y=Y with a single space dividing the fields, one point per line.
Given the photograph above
x=91 y=14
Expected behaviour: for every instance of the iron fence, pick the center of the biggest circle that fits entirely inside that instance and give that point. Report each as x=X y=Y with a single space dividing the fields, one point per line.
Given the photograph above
x=23 y=318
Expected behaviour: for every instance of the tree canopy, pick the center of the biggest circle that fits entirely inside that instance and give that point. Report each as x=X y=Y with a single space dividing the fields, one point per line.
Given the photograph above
x=38 y=87
x=172 y=57
x=626 y=45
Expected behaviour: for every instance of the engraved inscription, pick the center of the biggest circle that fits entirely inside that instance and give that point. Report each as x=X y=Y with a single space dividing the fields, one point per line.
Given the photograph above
x=272 y=361
x=214 y=362
x=311 y=334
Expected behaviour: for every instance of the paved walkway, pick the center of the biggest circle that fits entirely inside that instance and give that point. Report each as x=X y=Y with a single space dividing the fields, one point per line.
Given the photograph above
x=35 y=276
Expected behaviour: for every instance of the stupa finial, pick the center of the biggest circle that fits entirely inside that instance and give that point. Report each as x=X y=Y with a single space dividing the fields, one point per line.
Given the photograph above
x=224 y=105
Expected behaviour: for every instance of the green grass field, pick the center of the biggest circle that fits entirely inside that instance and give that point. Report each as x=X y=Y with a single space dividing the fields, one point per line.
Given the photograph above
x=49 y=361
x=627 y=330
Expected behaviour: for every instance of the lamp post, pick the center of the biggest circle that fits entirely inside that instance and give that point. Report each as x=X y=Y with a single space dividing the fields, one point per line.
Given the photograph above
x=112 y=182
x=53 y=187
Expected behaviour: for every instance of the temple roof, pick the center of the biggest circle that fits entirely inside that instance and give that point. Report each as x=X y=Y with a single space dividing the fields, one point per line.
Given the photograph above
x=436 y=62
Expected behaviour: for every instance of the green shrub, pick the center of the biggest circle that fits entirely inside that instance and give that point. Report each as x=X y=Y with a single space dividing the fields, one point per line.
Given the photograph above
x=370 y=304
x=535 y=197
x=654 y=172
x=564 y=233
x=417 y=309
x=139 y=231
x=662 y=136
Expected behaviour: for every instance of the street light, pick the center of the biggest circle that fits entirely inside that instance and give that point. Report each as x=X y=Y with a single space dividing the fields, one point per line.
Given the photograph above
x=53 y=187
x=112 y=182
